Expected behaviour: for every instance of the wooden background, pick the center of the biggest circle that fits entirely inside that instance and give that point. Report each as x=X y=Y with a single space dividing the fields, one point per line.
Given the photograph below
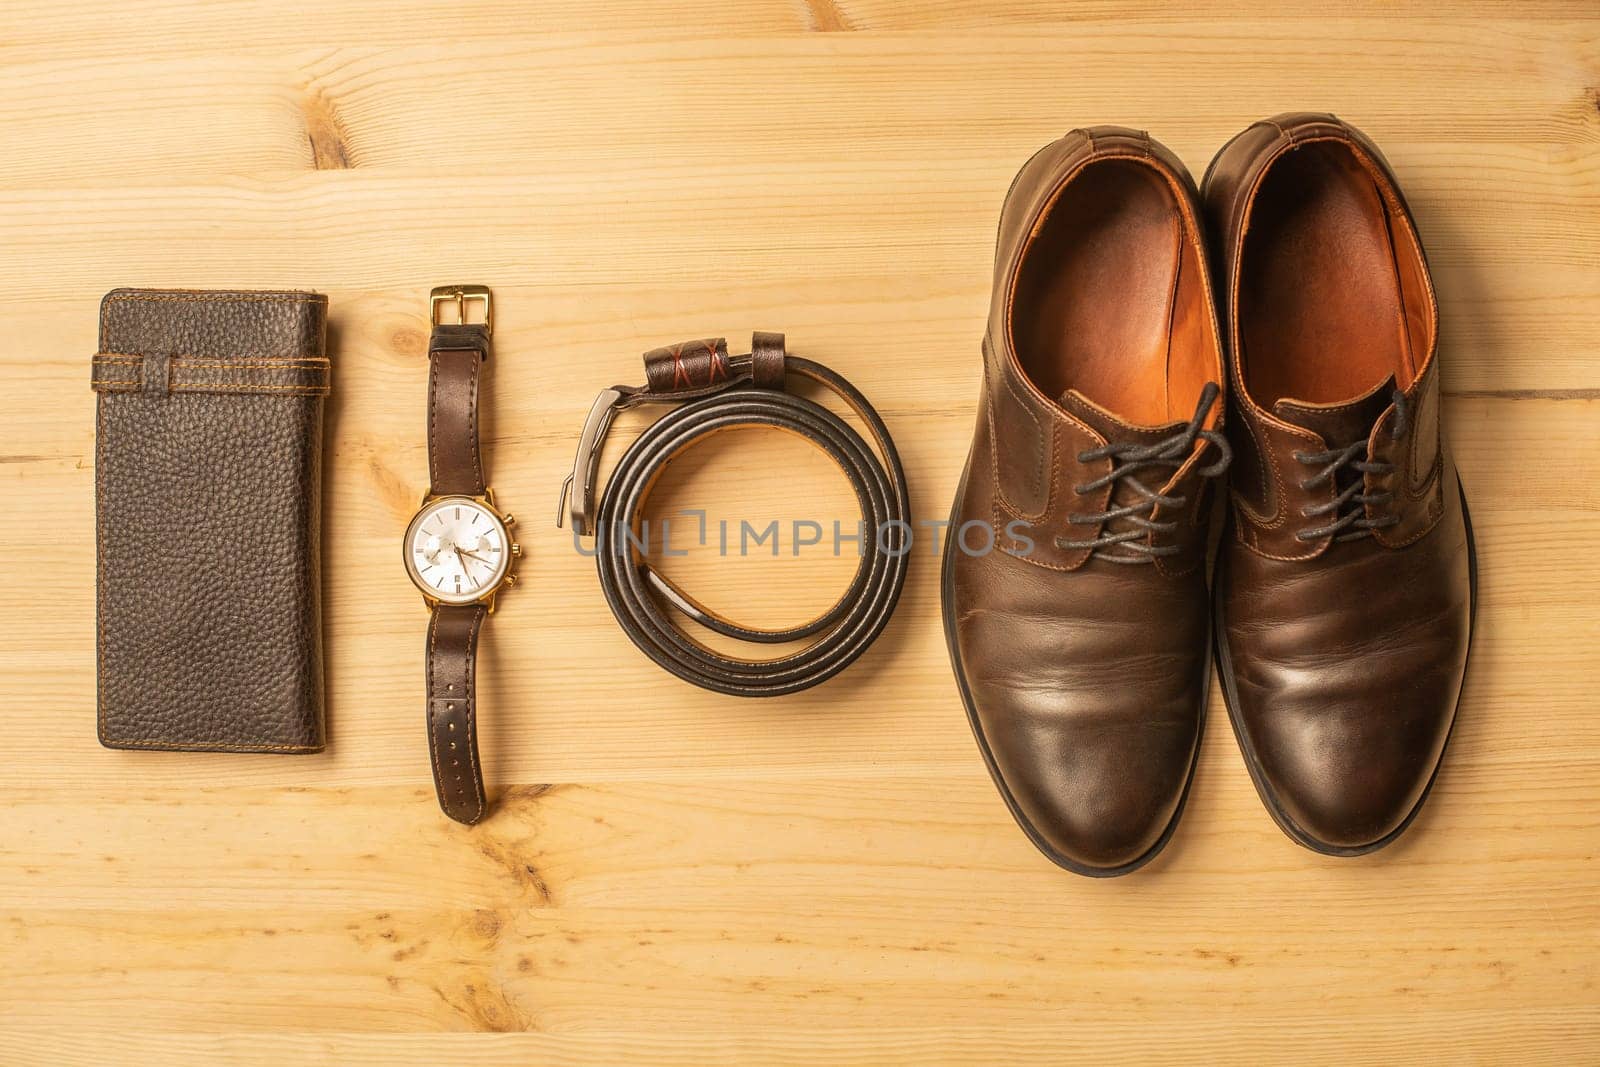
x=676 y=877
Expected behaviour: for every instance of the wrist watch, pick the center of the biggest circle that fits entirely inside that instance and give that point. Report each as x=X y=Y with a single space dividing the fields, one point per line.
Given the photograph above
x=458 y=548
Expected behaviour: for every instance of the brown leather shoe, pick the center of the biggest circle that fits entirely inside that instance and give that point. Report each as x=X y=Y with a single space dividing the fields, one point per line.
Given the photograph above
x=1075 y=599
x=1346 y=585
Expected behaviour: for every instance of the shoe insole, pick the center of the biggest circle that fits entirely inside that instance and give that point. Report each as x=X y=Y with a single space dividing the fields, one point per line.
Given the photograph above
x=1321 y=310
x=1093 y=306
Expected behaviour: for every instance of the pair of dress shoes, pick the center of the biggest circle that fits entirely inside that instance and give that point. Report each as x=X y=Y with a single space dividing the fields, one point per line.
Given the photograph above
x=1249 y=374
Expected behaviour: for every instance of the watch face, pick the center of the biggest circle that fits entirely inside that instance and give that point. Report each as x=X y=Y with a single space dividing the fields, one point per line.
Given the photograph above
x=457 y=550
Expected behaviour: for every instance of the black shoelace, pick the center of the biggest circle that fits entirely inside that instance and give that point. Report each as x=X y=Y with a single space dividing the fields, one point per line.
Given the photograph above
x=1169 y=453
x=1349 y=507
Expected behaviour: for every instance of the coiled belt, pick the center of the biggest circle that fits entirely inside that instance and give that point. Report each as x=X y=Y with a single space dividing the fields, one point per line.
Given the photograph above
x=717 y=392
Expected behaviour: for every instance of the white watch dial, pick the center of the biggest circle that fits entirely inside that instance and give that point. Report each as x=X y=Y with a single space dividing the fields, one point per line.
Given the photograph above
x=457 y=550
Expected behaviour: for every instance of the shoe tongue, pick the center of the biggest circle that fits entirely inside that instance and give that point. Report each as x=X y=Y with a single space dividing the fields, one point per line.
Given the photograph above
x=1341 y=423
x=1113 y=429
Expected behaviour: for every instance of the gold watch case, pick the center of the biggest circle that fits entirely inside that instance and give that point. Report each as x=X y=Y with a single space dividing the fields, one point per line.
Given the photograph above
x=504 y=575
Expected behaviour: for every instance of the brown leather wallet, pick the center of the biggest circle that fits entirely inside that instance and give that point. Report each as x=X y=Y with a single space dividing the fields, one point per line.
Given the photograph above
x=208 y=457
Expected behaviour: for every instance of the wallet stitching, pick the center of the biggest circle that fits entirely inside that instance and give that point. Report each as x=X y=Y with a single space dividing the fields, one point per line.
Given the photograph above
x=248 y=387
x=218 y=387
x=213 y=384
x=213 y=298
x=133 y=359
x=99 y=579
x=220 y=746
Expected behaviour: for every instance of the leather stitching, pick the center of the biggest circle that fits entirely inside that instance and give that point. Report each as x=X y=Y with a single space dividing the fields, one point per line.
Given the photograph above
x=1430 y=489
x=680 y=374
x=1059 y=415
x=433 y=409
x=135 y=358
x=994 y=449
x=208 y=746
x=435 y=446
x=433 y=737
x=213 y=298
x=1427 y=486
x=1435 y=511
x=472 y=421
x=1000 y=509
x=451 y=795
x=201 y=387
x=719 y=362
x=1034 y=560
x=472 y=709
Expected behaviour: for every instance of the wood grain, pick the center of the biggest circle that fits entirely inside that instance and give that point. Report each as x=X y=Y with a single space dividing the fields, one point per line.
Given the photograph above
x=675 y=877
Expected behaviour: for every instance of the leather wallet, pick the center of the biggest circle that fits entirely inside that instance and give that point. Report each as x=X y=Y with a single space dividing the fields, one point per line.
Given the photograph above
x=208 y=456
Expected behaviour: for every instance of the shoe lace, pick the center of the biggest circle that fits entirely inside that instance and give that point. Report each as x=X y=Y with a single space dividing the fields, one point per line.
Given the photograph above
x=1169 y=453
x=1349 y=507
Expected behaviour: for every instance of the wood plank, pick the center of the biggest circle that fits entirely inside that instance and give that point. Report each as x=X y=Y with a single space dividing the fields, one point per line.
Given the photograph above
x=1534 y=1036
x=928 y=98
x=100 y=28
x=778 y=903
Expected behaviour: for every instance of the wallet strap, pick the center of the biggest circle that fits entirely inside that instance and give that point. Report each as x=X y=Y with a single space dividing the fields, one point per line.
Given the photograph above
x=452 y=710
x=161 y=373
x=455 y=357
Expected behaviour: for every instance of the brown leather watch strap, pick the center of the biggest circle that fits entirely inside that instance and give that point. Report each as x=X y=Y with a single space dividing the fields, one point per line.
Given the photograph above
x=453 y=708
x=456 y=353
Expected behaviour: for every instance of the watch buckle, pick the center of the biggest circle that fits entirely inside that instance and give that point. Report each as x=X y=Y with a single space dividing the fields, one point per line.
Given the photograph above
x=461 y=296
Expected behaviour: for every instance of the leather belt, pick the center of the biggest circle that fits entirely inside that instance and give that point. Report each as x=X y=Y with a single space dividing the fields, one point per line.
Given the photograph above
x=718 y=392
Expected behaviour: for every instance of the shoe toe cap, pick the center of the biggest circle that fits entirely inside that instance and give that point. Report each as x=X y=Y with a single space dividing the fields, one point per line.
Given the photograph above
x=1098 y=797
x=1346 y=778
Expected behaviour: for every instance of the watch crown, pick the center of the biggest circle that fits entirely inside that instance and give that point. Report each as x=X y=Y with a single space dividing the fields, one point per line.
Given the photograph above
x=510 y=519
x=509 y=580
x=516 y=550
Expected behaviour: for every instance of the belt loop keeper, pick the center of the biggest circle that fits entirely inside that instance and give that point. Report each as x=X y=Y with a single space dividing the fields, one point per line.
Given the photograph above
x=156 y=374
x=688 y=369
x=767 y=358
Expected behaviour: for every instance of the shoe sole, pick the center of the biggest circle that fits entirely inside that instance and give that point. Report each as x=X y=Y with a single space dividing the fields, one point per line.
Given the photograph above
x=1269 y=799
x=946 y=602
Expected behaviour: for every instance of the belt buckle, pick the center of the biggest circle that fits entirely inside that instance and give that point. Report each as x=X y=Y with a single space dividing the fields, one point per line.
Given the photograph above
x=461 y=295
x=578 y=487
